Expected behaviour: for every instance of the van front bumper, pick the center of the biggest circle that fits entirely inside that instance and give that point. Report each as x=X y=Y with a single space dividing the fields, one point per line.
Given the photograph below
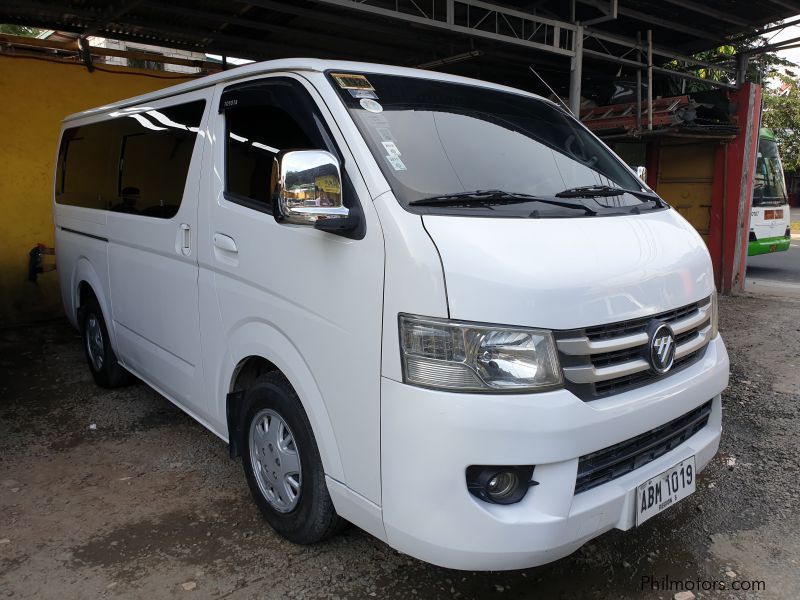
x=429 y=438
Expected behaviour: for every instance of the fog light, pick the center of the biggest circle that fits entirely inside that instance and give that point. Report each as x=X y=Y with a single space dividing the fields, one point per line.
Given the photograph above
x=502 y=485
x=498 y=484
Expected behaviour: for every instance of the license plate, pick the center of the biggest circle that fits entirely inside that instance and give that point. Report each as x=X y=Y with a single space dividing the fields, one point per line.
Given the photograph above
x=664 y=490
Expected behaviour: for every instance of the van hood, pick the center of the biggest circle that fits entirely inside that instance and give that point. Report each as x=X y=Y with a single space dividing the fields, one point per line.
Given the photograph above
x=569 y=273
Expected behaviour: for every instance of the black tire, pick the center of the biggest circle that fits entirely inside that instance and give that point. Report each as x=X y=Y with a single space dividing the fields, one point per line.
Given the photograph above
x=107 y=372
x=313 y=517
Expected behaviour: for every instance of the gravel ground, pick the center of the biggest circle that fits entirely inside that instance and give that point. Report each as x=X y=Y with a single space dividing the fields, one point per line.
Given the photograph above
x=118 y=494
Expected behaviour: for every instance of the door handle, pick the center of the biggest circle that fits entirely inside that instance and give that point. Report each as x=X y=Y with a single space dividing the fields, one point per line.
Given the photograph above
x=185 y=239
x=225 y=242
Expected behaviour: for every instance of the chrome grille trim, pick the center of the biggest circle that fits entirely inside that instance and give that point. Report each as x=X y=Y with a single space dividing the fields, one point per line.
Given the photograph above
x=692 y=321
x=590 y=374
x=600 y=360
x=694 y=344
x=583 y=345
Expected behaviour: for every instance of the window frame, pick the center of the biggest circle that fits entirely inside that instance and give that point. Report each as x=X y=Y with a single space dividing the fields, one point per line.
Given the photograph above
x=306 y=101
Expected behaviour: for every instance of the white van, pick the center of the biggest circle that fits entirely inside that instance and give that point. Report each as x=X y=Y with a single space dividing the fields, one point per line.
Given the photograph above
x=435 y=307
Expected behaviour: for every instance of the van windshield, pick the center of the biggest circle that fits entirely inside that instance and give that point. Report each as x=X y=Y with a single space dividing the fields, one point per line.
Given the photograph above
x=456 y=148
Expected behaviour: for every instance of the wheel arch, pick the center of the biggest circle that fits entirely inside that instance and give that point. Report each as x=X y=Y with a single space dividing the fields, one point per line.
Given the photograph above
x=85 y=281
x=256 y=348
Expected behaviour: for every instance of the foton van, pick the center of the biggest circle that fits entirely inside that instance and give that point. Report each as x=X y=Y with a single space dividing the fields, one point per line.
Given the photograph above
x=437 y=308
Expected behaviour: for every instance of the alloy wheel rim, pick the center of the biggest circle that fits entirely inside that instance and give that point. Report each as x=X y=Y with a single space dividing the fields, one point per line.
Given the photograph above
x=94 y=342
x=275 y=459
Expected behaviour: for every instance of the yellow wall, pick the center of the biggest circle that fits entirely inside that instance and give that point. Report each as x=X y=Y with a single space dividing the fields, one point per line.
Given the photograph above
x=35 y=95
x=686 y=180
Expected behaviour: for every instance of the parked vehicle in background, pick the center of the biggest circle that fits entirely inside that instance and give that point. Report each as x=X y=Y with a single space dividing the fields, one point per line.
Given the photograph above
x=770 y=215
x=435 y=307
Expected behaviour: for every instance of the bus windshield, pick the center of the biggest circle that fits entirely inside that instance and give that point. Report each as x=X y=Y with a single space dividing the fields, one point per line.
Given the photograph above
x=769 y=187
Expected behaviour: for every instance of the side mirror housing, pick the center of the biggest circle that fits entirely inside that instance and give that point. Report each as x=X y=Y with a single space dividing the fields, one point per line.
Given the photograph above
x=307 y=188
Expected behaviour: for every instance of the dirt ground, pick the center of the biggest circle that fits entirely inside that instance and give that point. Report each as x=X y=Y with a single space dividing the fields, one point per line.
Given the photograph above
x=117 y=494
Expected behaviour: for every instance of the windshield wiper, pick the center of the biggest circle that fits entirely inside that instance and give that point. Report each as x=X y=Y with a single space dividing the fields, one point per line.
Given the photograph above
x=598 y=191
x=489 y=197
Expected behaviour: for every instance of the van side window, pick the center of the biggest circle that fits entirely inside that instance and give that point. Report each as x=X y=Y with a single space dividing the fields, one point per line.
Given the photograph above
x=134 y=163
x=155 y=154
x=84 y=176
x=255 y=135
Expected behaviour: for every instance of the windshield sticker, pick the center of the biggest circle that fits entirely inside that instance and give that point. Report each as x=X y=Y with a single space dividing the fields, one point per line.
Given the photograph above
x=385 y=133
x=371 y=105
x=363 y=94
x=395 y=161
x=352 y=81
x=391 y=148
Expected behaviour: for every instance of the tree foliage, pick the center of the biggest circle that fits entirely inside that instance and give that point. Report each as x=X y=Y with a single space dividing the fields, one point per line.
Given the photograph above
x=19 y=30
x=782 y=115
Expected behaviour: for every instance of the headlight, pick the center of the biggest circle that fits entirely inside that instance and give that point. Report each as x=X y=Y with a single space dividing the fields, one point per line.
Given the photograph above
x=714 y=315
x=441 y=353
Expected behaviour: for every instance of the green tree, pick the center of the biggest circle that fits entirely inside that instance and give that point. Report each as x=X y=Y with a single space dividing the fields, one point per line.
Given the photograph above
x=22 y=30
x=782 y=115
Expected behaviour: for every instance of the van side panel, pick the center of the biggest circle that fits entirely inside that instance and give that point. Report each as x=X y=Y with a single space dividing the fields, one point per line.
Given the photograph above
x=153 y=247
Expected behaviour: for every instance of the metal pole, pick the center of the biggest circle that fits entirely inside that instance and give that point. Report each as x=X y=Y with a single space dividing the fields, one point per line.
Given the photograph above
x=650 y=79
x=575 y=73
x=638 y=82
x=741 y=68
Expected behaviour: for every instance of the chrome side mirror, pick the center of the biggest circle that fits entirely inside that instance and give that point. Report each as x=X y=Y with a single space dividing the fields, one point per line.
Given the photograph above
x=308 y=187
x=641 y=173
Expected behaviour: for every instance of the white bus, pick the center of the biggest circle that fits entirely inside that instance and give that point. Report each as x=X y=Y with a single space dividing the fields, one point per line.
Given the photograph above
x=770 y=217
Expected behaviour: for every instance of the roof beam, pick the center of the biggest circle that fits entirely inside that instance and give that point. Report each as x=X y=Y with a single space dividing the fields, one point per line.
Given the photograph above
x=660 y=22
x=217 y=19
x=665 y=52
x=639 y=65
x=330 y=18
x=113 y=12
x=769 y=29
x=786 y=4
x=549 y=32
x=711 y=12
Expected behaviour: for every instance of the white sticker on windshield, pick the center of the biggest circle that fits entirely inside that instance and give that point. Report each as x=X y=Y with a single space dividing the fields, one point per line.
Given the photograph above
x=385 y=133
x=391 y=148
x=371 y=105
x=396 y=163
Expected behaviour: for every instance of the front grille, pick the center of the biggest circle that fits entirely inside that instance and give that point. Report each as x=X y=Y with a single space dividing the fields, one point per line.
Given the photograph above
x=620 y=459
x=614 y=330
x=608 y=359
x=623 y=384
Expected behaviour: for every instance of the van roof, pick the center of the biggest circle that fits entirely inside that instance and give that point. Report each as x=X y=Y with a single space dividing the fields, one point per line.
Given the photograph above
x=286 y=64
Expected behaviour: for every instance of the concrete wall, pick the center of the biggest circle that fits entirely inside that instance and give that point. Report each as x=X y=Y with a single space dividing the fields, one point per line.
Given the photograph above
x=36 y=94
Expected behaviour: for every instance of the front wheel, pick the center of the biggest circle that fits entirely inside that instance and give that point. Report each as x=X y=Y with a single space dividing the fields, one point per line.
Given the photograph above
x=282 y=463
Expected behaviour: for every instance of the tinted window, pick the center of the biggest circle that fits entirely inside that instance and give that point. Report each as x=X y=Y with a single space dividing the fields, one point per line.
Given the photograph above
x=85 y=175
x=134 y=163
x=255 y=135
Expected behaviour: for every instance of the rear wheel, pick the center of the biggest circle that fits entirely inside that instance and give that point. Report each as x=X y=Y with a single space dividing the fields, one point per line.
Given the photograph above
x=282 y=463
x=107 y=372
